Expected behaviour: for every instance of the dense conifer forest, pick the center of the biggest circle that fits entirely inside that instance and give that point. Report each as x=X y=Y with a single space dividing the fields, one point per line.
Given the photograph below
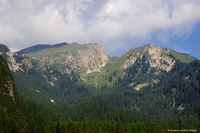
x=171 y=103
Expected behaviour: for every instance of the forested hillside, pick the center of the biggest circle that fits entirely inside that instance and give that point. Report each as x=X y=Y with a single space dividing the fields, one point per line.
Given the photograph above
x=20 y=115
x=76 y=88
x=25 y=116
x=175 y=95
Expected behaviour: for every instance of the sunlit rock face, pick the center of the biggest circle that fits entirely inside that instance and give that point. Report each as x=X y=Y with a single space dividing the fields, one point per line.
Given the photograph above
x=157 y=57
x=83 y=59
x=88 y=58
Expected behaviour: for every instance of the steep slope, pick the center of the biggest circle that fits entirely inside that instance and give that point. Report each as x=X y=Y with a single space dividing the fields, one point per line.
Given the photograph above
x=28 y=80
x=143 y=62
x=17 y=114
x=177 y=94
x=3 y=49
x=152 y=61
x=8 y=97
x=88 y=58
x=81 y=59
x=13 y=60
x=47 y=75
x=149 y=81
x=6 y=80
x=55 y=75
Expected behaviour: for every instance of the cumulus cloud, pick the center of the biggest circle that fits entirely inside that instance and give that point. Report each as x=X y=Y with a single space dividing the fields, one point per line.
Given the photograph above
x=113 y=23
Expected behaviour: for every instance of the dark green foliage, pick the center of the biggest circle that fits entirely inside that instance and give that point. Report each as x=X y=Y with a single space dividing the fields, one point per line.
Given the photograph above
x=24 y=116
x=6 y=79
x=37 y=90
x=91 y=117
x=153 y=102
x=170 y=101
x=4 y=70
x=175 y=96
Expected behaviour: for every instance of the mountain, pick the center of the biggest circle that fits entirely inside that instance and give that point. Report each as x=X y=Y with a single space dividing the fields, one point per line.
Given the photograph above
x=56 y=67
x=152 y=80
x=83 y=58
x=144 y=61
x=6 y=80
x=40 y=47
x=3 y=49
x=16 y=113
x=20 y=115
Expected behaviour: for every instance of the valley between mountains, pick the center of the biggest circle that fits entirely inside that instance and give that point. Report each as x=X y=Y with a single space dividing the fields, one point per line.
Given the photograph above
x=150 y=81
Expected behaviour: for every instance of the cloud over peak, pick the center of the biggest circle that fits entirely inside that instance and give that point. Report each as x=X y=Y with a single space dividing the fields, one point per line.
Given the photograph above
x=30 y=22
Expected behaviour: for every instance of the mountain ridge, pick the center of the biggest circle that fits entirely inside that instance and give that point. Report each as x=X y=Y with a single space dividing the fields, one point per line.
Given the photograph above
x=40 y=47
x=66 y=65
x=90 y=58
x=82 y=82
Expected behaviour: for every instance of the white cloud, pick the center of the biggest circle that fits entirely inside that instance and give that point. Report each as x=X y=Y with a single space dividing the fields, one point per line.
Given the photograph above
x=8 y=33
x=185 y=17
x=14 y=49
x=29 y=22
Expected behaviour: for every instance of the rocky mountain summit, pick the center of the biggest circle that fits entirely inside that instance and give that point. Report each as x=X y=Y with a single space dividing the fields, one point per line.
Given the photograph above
x=88 y=58
x=83 y=58
x=158 y=57
x=155 y=82
x=8 y=55
x=43 y=68
x=90 y=62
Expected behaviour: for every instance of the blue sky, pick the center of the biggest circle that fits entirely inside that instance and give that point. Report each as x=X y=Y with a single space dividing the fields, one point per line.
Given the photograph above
x=116 y=24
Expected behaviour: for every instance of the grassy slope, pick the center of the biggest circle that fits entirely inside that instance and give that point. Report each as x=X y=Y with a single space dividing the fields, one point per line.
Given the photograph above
x=72 y=48
x=99 y=79
x=114 y=64
x=182 y=57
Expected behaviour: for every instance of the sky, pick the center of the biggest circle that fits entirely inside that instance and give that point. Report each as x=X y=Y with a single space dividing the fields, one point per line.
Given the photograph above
x=115 y=24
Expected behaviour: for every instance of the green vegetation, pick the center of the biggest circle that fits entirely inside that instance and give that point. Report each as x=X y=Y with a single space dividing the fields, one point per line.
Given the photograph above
x=27 y=116
x=182 y=57
x=155 y=108
x=91 y=117
x=105 y=101
x=6 y=77
x=72 y=48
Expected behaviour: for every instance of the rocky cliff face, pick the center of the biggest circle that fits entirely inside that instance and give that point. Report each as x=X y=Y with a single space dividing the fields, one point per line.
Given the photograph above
x=9 y=56
x=82 y=59
x=93 y=59
x=13 y=65
x=88 y=58
x=55 y=70
x=157 y=57
x=54 y=62
x=18 y=62
x=160 y=58
x=6 y=79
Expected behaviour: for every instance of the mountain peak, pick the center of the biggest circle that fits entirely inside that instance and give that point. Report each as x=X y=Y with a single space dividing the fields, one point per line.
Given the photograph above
x=158 y=57
x=65 y=66
x=3 y=49
x=10 y=59
x=73 y=57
